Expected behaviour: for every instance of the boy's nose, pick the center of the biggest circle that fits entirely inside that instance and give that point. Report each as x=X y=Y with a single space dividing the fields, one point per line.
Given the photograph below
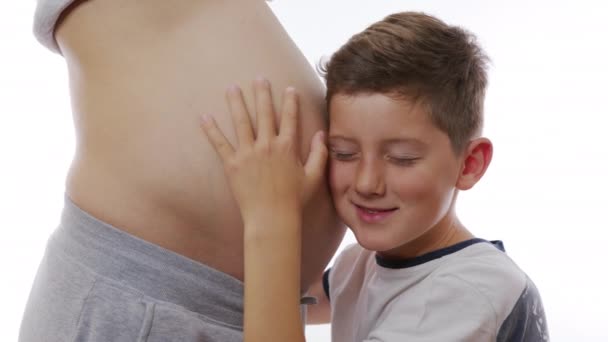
x=370 y=179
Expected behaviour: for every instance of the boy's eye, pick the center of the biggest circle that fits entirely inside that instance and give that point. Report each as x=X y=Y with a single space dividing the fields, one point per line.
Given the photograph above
x=342 y=155
x=402 y=161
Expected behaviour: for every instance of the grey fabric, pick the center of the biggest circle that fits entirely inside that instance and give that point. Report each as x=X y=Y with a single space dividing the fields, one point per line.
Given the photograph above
x=97 y=283
x=526 y=322
x=46 y=16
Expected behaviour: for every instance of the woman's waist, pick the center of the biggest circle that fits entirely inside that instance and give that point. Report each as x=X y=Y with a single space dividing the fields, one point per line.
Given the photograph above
x=137 y=188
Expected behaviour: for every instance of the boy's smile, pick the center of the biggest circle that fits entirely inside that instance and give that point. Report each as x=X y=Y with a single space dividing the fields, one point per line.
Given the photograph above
x=374 y=215
x=393 y=174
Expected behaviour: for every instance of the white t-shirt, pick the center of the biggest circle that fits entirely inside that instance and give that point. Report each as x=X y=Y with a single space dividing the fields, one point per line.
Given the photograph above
x=471 y=291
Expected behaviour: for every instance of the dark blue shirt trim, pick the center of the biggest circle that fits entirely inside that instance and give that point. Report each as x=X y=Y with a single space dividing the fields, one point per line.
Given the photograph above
x=419 y=260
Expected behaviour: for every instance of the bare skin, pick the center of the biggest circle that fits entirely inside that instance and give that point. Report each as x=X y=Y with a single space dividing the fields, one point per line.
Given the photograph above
x=141 y=74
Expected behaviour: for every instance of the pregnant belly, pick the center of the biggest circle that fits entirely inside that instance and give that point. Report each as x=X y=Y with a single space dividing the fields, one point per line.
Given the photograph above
x=138 y=89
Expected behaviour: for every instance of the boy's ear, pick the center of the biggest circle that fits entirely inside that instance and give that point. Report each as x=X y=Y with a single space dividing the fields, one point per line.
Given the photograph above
x=476 y=160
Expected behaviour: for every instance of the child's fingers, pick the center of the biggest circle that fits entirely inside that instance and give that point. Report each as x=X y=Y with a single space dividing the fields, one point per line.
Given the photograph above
x=289 y=115
x=240 y=116
x=264 y=110
x=317 y=158
x=218 y=140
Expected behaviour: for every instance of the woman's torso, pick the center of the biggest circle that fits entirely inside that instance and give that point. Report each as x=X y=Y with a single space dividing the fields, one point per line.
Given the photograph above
x=141 y=74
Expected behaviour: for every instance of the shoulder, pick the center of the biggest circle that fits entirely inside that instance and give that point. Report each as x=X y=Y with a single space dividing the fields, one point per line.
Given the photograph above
x=352 y=256
x=488 y=273
x=350 y=267
x=469 y=295
x=483 y=266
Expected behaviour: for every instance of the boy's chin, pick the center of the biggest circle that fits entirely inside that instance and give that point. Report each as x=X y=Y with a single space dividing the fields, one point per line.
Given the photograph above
x=374 y=241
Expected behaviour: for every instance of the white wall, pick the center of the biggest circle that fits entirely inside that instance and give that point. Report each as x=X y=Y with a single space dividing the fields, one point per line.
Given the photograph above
x=544 y=194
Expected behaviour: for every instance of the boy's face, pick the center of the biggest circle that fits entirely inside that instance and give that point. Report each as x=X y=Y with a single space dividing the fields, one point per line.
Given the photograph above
x=393 y=174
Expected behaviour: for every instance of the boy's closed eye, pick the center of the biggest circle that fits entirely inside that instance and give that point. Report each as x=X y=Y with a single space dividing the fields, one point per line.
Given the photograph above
x=402 y=160
x=342 y=155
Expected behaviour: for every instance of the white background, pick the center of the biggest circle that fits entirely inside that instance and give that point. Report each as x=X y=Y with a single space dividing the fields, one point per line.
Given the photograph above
x=544 y=194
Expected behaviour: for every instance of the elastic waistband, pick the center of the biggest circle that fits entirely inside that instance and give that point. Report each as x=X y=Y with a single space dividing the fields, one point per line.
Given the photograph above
x=146 y=267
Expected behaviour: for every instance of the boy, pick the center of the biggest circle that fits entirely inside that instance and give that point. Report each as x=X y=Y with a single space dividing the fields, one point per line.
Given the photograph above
x=405 y=99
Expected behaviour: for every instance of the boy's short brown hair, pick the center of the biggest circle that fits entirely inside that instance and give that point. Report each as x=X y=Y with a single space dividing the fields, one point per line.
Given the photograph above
x=414 y=55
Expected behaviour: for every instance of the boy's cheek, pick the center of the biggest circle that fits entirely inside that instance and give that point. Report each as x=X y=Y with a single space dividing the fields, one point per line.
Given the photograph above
x=340 y=175
x=417 y=184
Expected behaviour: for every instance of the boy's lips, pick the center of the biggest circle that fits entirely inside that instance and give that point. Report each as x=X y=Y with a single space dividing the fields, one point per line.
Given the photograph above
x=373 y=214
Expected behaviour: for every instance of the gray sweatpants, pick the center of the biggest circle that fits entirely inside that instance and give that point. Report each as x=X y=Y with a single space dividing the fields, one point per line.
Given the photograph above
x=97 y=283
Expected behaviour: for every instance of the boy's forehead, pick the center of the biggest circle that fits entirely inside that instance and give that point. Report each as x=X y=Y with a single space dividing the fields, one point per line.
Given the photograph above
x=377 y=101
x=377 y=108
x=382 y=118
x=403 y=141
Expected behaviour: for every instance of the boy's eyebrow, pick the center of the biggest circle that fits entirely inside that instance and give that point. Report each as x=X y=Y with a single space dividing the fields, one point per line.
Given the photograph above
x=340 y=137
x=391 y=141
x=411 y=141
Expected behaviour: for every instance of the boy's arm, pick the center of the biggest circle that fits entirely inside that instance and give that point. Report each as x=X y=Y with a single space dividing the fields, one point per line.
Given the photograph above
x=272 y=277
x=319 y=313
x=270 y=186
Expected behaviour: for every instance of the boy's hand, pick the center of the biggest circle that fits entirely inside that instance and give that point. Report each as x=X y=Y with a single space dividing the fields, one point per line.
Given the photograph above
x=265 y=173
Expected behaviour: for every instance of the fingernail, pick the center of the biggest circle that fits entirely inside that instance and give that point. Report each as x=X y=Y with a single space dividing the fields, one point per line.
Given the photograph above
x=205 y=119
x=321 y=135
x=262 y=80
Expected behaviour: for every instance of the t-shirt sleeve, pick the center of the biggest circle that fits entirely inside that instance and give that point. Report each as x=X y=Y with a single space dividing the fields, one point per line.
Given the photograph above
x=526 y=322
x=340 y=274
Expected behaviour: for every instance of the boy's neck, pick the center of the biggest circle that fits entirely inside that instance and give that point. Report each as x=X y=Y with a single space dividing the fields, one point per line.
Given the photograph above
x=447 y=232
